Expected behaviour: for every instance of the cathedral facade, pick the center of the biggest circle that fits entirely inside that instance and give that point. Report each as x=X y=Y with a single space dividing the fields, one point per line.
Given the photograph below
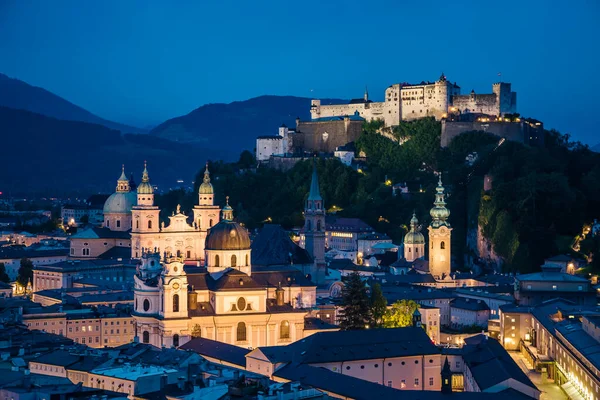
x=179 y=238
x=224 y=300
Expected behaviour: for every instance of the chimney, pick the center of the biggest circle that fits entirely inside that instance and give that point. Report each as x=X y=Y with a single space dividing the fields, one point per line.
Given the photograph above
x=181 y=383
x=27 y=379
x=192 y=300
x=279 y=292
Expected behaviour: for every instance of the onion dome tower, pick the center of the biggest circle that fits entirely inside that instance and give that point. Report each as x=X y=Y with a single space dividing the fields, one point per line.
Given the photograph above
x=414 y=241
x=439 y=235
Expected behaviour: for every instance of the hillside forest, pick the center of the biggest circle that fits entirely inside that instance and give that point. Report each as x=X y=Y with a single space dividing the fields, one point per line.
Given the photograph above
x=539 y=203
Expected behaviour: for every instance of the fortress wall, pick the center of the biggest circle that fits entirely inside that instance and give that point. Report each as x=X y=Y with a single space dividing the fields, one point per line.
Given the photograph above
x=479 y=103
x=310 y=136
x=510 y=130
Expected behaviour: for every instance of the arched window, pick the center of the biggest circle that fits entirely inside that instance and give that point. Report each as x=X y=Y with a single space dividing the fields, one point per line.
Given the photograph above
x=443 y=245
x=318 y=225
x=284 y=330
x=146 y=337
x=176 y=340
x=210 y=223
x=233 y=261
x=417 y=250
x=118 y=223
x=146 y=305
x=217 y=260
x=149 y=224
x=108 y=223
x=247 y=260
x=175 y=303
x=178 y=253
x=241 y=332
x=409 y=250
x=137 y=224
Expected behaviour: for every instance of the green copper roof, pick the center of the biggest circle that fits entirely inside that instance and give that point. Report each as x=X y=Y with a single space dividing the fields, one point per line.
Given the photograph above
x=206 y=187
x=315 y=193
x=439 y=213
x=145 y=187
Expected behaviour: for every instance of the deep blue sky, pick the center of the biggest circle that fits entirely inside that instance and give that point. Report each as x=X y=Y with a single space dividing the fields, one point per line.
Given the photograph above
x=141 y=62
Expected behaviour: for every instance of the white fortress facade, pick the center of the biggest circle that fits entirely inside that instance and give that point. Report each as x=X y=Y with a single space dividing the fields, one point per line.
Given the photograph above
x=405 y=102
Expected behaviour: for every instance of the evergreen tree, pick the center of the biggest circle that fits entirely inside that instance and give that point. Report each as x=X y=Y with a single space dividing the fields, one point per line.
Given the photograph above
x=25 y=273
x=3 y=275
x=356 y=310
x=400 y=315
x=378 y=305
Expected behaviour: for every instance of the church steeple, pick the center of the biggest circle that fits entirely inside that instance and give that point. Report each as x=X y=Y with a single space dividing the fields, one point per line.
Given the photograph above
x=123 y=182
x=206 y=192
x=446 y=377
x=366 y=94
x=439 y=236
x=145 y=188
x=439 y=213
x=314 y=228
x=227 y=211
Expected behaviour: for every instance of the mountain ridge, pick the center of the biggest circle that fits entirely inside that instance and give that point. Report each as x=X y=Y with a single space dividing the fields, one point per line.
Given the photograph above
x=221 y=124
x=17 y=94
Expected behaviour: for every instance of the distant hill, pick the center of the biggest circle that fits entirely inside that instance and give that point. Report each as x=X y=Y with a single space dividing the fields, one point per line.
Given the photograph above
x=237 y=124
x=596 y=148
x=51 y=157
x=21 y=95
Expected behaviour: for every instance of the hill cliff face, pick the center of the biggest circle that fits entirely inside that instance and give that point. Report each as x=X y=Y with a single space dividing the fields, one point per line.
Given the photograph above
x=236 y=124
x=51 y=157
x=22 y=96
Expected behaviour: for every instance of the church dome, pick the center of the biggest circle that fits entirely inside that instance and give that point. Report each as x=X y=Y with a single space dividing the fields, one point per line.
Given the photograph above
x=227 y=235
x=145 y=187
x=120 y=203
x=414 y=238
x=206 y=187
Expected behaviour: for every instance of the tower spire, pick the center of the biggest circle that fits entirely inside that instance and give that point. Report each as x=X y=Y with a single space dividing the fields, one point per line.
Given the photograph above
x=227 y=210
x=315 y=193
x=206 y=174
x=145 y=177
x=439 y=213
x=366 y=93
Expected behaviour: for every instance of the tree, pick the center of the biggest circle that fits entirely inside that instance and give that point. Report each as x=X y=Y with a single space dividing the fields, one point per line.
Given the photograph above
x=356 y=310
x=3 y=275
x=400 y=315
x=378 y=304
x=25 y=273
x=196 y=331
x=246 y=160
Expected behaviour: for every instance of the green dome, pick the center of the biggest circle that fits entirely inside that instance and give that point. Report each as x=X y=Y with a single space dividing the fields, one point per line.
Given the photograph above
x=227 y=235
x=414 y=238
x=439 y=213
x=120 y=203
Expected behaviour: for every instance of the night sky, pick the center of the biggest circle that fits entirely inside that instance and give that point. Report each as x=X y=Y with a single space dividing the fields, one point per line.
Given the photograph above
x=141 y=62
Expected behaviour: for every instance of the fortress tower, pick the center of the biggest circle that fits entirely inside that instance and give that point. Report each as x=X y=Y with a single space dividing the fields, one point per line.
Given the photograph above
x=439 y=236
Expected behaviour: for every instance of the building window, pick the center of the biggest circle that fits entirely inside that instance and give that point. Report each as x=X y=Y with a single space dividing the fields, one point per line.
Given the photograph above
x=217 y=260
x=108 y=223
x=137 y=224
x=319 y=226
x=443 y=245
x=233 y=261
x=284 y=330
x=118 y=223
x=247 y=260
x=149 y=224
x=210 y=223
x=416 y=381
x=146 y=337
x=146 y=305
x=188 y=254
x=241 y=332
x=176 y=340
x=554 y=287
x=241 y=304
x=175 y=303
x=430 y=381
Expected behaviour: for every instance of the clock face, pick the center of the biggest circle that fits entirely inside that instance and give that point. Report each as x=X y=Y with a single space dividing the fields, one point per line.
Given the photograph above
x=176 y=286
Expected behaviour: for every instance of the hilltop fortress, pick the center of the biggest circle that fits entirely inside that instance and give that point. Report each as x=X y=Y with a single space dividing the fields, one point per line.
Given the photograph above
x=405 y=101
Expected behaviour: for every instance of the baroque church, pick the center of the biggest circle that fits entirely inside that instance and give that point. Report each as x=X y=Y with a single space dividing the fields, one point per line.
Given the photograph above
x=224 y=298
x=439 y=262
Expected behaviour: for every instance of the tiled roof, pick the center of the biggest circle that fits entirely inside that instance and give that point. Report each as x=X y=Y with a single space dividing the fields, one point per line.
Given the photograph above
x=211 y=348
x=333 y=223
x=18 y=252
x=235 y=280
x=550 y=277
x=273 y=246
x=469 y=304
x=101 y=233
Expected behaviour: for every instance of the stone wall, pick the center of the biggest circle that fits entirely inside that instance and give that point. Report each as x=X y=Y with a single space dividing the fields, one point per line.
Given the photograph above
x=326 y=136
x=516 y=131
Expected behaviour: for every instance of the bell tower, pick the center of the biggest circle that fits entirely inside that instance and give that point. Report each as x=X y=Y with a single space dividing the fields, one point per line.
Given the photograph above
x=145 y=229
x=314 y=228
x=206 y=213
x=439 y=236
